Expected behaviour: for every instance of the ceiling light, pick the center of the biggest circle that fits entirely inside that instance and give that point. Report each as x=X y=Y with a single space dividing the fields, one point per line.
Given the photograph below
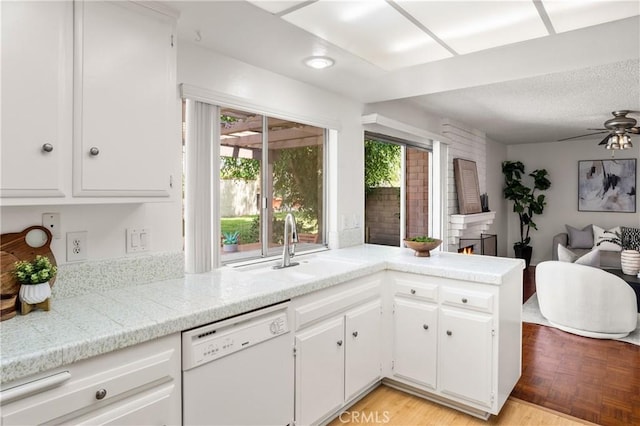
x=319 y=62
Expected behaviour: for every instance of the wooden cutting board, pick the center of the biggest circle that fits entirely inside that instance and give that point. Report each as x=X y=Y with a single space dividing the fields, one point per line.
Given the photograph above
x=14 y=247
x=9 y=287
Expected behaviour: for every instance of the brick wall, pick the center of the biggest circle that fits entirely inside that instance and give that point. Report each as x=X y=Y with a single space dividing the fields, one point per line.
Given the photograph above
x=417 y=185
x=382 y=216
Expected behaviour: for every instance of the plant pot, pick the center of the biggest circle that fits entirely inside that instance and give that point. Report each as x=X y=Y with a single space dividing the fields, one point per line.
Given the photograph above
x=35 y=293
x=422 y=249
x=524 y=252
x=630 y=262
x=230 y=248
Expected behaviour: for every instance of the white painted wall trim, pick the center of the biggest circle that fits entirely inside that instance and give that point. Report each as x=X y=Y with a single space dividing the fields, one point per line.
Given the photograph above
x=378 y=123
x=214 y=97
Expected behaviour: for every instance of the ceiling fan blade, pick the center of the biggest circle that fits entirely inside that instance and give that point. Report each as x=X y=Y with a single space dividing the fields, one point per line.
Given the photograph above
x=582 y=136
x=634 y=130
x=605 y=140
x=597 y=129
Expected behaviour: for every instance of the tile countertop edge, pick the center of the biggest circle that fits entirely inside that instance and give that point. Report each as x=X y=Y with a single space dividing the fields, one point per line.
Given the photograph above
x=57 y=355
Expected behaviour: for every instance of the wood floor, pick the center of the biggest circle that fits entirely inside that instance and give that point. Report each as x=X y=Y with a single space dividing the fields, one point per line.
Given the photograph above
x=392 y=407
x=565 y=378
x=593 y=379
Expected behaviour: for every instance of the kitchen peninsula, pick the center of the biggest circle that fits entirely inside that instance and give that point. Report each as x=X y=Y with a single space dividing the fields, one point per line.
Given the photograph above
x=472 y=347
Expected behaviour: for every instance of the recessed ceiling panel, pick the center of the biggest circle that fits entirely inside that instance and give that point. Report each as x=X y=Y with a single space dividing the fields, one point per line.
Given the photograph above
x=570 y=15
x=276 y=6
x=370 y=29
x=470 y=26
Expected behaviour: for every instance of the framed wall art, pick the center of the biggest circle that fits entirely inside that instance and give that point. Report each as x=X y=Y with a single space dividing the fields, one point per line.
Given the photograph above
x=466 y=177
x=607 y=185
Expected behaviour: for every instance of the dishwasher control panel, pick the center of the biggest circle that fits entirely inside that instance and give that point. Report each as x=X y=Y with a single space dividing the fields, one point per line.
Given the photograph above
x=217 y=340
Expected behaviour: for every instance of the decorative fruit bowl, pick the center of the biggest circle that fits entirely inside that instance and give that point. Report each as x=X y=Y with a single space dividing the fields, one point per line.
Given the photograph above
x=422 y=245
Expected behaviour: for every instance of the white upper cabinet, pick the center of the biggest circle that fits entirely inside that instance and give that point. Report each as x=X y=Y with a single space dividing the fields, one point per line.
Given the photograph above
x=36 y=97
x=89 y=102
x=125 y=97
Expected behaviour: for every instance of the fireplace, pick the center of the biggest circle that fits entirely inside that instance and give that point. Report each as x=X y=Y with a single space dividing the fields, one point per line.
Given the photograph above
x=486 y=244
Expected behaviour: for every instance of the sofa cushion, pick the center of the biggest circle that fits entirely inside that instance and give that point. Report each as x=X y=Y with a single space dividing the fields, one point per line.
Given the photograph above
x=600 y=237
x=630 y=238
x=580 y=238
x=591 y=258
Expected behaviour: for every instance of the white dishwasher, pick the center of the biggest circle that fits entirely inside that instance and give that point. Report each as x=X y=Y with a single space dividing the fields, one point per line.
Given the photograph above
x=239 y=371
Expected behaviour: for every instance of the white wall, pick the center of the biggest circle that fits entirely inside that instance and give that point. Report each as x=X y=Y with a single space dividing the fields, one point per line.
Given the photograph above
x=496 y=154
x=561 y=161
x=105 y=225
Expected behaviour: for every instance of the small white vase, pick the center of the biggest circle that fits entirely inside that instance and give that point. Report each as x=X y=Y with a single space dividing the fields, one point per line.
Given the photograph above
x=630 y=262
x=35 y=293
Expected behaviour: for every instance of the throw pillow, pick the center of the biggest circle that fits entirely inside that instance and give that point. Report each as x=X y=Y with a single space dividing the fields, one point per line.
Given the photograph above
x=591 y=258
x=601 y=236
x=630 y=238
x=580 y=238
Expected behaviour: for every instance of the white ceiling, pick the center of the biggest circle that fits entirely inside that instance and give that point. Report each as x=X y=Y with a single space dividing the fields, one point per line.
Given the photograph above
x=522 y=71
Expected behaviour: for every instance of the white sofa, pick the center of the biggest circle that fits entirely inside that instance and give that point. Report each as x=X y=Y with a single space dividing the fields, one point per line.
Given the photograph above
x=585 y=300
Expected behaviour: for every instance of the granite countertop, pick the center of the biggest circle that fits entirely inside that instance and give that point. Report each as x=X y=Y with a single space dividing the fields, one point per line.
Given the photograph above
x=92 y=324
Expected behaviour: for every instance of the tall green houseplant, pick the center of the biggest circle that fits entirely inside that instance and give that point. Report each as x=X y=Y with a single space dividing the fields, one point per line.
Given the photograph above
x=525 y=201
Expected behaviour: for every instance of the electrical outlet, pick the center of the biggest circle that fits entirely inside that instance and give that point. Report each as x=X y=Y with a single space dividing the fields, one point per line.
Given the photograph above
x=76 y=246
x=51 y=221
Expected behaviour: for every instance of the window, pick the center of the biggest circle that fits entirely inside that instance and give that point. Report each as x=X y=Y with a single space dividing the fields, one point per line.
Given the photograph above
x=263 y=176
x=397 y=180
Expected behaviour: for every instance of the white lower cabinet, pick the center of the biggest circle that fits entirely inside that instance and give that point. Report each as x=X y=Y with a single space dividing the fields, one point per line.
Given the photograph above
x=133 y=386
x=465 y=354
x=415 y=336
x=338 y=352
x=456 y=341
x=319 y=371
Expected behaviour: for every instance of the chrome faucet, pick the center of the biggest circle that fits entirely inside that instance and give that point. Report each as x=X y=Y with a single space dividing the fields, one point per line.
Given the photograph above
x=289 y=249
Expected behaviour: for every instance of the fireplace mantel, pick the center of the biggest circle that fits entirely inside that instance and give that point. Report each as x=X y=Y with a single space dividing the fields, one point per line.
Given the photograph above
x=464 y=224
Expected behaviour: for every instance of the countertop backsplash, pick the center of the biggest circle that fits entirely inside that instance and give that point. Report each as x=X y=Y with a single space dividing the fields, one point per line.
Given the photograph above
x=77 y=279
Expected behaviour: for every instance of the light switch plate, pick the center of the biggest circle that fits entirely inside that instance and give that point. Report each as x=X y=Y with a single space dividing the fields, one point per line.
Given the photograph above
x=137 y=240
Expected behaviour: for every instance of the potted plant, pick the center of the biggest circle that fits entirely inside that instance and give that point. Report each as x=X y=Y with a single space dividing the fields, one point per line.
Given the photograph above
x=629 y=258
x=525 y=202
x=34 y=276
x=230 y=241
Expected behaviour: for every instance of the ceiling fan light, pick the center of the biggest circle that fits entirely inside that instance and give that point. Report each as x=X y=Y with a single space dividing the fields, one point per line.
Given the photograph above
x=627 y=144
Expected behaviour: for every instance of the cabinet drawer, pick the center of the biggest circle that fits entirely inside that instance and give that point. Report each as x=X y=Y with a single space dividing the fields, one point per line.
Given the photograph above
x=324 y=307
x=80 y=392
x=415 y=289
x=477 y=301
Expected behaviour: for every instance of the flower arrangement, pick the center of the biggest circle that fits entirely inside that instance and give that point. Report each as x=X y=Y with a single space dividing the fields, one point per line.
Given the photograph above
x=38 y=271
x=230 y=237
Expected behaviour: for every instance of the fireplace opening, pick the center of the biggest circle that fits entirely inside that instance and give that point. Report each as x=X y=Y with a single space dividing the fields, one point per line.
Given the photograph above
x=486 y=244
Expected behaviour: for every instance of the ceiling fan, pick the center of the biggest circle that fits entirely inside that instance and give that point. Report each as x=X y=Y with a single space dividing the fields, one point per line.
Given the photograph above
x=617 y=130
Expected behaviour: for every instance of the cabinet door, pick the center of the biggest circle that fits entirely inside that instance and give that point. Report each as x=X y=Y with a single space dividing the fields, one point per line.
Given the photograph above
x=363 y=357
x=415 y=340
x=319 y=371
x=465 y=355
x=36 y=73
x=125 y=97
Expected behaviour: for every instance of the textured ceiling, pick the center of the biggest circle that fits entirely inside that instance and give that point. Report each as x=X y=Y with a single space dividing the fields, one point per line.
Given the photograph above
x=538 y=90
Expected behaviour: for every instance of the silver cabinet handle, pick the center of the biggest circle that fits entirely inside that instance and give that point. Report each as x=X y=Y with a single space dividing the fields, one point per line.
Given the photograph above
x=413 y=291
x=94 y=151
x=464 y=300
x=449 y=333
x=339 y=342
x=100 y=394
x=47 y=147
x=425 y=326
